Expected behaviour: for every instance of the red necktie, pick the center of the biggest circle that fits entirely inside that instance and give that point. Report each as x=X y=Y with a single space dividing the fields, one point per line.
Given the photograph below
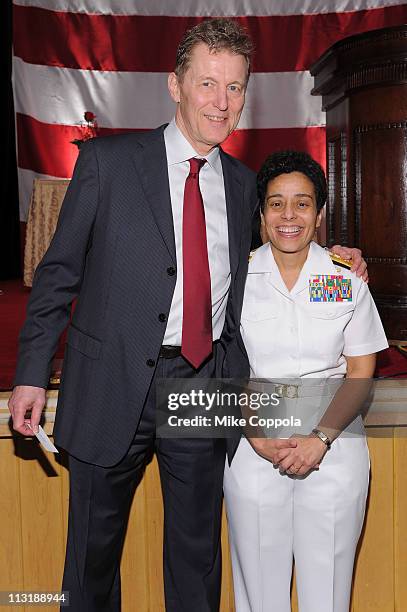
x=197 y=302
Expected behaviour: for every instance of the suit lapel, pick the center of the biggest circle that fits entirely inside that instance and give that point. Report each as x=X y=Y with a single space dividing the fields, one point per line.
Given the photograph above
x=234 y=203
x=151 y=165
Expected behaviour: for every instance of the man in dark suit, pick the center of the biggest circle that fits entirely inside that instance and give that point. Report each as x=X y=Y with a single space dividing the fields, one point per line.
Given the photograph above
x=152 y=240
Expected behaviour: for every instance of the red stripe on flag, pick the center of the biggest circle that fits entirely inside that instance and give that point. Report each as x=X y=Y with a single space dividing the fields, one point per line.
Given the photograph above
x=253 y=146
x=148 y=43
x=47 y=149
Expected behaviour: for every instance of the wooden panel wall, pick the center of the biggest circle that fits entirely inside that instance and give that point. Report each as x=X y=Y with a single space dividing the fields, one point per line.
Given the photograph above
x=33 y=508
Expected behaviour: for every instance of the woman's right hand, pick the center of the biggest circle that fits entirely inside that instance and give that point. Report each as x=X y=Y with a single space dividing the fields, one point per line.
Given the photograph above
x=269 y=448
x=305 y=457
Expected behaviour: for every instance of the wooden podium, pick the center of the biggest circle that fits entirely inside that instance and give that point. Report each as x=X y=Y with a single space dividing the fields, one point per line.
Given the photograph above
x=34 y=503
x=363 y=83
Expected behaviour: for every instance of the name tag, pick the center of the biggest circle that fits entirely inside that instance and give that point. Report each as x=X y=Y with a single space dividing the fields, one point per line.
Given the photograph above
x=329 y=288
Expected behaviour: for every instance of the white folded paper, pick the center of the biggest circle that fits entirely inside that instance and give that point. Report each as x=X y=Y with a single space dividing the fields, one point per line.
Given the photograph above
x=44 y=440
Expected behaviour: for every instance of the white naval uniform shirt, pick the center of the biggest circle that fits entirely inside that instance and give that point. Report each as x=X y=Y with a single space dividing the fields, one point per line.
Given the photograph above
x=211 y=184
x=288 y=336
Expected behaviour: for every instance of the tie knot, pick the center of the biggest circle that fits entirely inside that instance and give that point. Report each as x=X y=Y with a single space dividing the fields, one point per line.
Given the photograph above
x=195 y=164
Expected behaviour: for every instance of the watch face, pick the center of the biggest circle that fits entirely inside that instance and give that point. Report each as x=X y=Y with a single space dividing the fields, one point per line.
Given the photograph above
x=324 y=438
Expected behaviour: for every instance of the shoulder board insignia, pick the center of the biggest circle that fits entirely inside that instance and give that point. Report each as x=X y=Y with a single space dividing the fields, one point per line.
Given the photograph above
x=251 y=254
x=338 y=261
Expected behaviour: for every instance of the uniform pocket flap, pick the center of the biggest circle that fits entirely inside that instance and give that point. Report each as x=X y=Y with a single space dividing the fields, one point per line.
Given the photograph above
x=83 y=343
x=329 y=311
x=259 y=311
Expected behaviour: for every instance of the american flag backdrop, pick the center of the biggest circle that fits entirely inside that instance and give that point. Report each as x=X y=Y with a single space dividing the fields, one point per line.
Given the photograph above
x=112 y=57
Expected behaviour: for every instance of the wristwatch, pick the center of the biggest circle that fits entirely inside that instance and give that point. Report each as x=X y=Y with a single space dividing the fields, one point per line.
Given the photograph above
x=323 y=437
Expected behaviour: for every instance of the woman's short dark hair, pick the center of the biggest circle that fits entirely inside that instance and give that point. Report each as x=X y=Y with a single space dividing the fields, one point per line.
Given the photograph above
x=285 y=162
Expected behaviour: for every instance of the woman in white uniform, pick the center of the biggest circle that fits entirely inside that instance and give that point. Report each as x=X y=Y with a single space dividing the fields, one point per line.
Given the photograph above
x=303 y=318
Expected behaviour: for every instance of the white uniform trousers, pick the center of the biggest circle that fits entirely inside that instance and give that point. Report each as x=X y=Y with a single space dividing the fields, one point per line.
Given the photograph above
x=315 y=518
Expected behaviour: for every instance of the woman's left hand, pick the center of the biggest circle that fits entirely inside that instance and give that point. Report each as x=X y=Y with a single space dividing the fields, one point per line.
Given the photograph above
x=307 y=455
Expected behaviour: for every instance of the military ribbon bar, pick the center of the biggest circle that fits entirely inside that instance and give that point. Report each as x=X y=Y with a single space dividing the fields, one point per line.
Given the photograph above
x=330 y=288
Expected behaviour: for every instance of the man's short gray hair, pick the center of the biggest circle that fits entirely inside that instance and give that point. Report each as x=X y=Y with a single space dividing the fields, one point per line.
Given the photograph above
x=219 y=35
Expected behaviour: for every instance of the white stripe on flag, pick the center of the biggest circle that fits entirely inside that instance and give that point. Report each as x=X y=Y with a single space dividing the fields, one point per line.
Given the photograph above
x=281 y=100
x=209 y=8
x=140 y=100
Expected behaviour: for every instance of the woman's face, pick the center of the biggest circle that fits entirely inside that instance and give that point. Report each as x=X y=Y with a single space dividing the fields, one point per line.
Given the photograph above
x=290 y=215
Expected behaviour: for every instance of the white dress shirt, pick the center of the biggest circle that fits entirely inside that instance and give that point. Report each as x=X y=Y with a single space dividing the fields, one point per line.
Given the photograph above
x=211 y=184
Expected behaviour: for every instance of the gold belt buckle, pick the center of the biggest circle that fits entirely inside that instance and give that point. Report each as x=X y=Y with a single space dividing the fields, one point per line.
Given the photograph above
x=288 y=391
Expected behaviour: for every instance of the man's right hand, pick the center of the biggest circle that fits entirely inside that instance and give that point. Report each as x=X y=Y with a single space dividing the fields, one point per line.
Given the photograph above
x=25 y=400
x=268 y=448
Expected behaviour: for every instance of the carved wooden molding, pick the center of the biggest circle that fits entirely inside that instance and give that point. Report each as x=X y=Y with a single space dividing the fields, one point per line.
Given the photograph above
x=372 y=58
x=387 y=260
x=331 y=189
x=340 y=140
x=369 y=38
x=394 y=125
x=358 y=187
x=344 y=189
x=368 y=74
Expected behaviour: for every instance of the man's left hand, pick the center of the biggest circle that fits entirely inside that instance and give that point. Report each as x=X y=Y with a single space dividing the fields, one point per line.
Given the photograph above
x=358 y=263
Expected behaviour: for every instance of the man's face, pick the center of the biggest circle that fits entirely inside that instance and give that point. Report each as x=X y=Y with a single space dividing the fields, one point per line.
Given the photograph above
x=290 y=215
x=210 y=96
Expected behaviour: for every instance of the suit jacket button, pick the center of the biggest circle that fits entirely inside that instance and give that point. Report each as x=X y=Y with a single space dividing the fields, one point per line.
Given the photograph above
x=162 y=317
x=150 y=363
x=170 y=271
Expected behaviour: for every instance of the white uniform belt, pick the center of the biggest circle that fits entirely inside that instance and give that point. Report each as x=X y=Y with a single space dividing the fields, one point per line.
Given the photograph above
x=294 y=391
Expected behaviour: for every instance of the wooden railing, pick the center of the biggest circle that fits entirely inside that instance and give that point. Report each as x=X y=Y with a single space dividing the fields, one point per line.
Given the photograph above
x=34 y=501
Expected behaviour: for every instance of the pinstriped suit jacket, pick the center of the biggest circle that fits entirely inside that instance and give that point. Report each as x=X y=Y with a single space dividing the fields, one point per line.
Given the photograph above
x=114 y=250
